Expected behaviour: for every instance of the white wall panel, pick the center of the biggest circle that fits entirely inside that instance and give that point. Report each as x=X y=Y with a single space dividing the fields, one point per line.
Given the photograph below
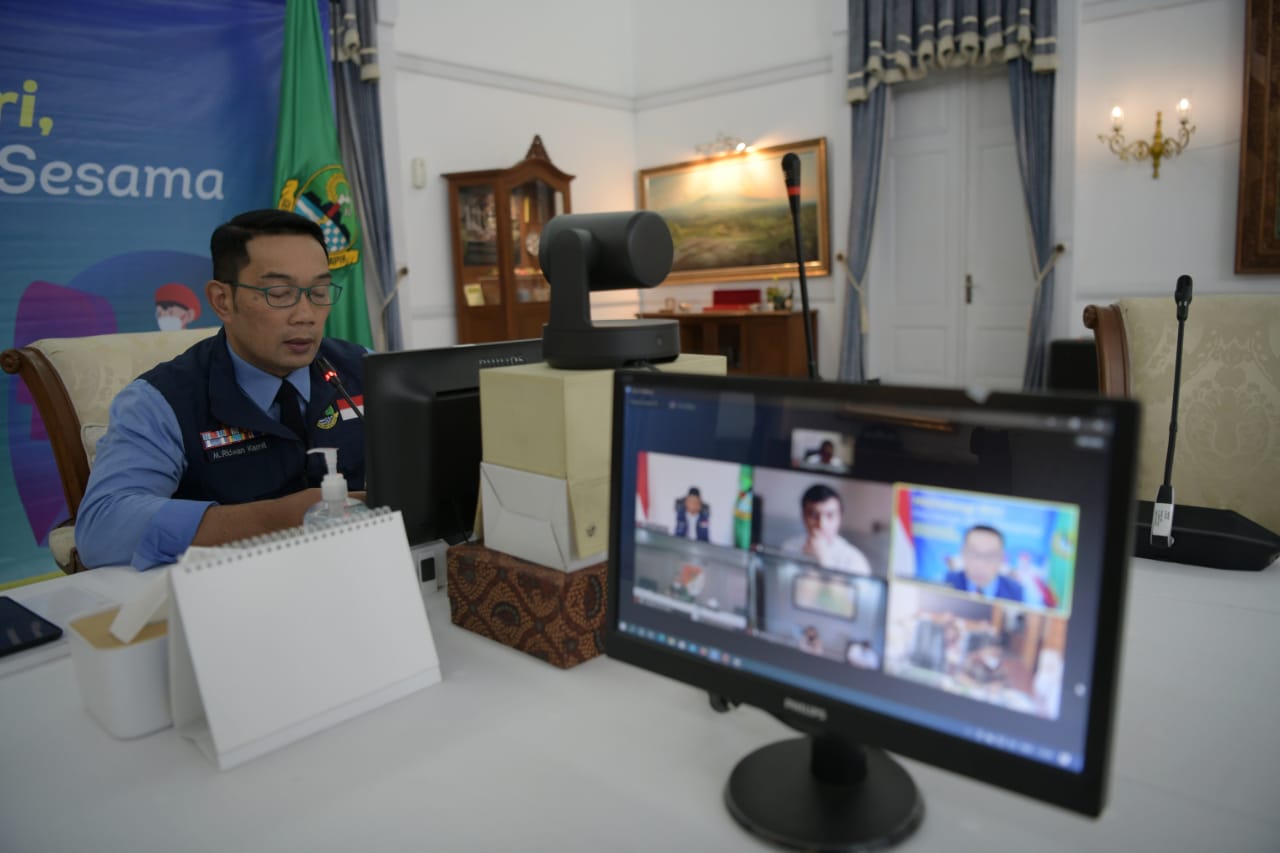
x=468 y=126
x=684 y=43
x=1135 y=235
x=586 y=43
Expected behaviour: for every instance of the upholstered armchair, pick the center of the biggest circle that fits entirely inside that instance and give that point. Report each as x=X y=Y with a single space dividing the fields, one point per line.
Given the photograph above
x=73 y=381
x=1228 y=444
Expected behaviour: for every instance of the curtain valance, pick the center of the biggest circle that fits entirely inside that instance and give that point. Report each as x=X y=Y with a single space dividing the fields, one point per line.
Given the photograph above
x=895 y=40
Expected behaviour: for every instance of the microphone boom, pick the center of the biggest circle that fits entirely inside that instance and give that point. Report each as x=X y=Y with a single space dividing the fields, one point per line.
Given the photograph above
x=791 y=171
x=1162 y=513
x=329 y=374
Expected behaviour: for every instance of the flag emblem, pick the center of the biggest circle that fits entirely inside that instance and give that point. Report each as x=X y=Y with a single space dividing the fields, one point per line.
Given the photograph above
x=328 y=215
x=325 y=199
x=346 y=412
x=226 y=435
x=309 y=178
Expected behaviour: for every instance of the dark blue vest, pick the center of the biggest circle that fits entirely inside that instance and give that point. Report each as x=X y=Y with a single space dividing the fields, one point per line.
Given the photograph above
x=235 y=452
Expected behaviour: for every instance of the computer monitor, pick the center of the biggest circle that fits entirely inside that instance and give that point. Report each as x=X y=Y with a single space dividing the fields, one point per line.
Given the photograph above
x=422 y=433
x=948 y=585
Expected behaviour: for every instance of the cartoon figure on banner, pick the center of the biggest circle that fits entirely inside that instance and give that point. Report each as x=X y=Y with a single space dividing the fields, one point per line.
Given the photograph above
x=177 y=307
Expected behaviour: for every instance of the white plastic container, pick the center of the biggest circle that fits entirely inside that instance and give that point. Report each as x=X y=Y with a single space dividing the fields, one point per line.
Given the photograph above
x=125 y=687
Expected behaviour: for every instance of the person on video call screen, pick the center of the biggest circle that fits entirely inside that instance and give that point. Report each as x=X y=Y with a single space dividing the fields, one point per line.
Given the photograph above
x=822 y=511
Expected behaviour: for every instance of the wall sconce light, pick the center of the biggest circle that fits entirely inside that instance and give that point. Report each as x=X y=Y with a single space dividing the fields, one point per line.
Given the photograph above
x=1160 y=146
x=721 y=146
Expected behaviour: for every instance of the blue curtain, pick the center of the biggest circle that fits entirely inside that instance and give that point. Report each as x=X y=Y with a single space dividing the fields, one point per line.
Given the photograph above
x=891 y=41
x=868 y=143
x=1031 y=97
x=355 y=79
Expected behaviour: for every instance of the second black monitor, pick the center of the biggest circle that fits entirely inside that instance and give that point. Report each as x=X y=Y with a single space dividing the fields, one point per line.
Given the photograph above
x=422 y=433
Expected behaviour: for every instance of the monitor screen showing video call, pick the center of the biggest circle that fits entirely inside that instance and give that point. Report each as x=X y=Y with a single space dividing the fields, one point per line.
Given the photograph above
x=930 y=562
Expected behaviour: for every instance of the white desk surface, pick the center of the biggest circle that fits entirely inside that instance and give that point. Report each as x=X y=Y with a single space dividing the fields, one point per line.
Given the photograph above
x=509 y=753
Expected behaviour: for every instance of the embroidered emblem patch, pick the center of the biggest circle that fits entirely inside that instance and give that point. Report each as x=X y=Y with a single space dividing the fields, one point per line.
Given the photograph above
x=226 y=435
x=328 y=419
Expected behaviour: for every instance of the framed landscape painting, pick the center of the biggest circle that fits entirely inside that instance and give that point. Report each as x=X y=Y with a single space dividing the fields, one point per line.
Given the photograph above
x=730 y=219
x=1258 y=204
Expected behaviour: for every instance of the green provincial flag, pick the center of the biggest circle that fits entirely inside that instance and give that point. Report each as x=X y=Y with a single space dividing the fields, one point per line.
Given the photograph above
x=309 y=177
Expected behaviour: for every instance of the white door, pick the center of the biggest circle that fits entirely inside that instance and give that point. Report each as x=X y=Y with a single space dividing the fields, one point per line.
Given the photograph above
x=950 y=280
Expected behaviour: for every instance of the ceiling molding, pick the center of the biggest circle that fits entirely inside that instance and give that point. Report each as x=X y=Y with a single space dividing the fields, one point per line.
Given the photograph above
x=752 y=80
x=414 y=64
x=1101 y=10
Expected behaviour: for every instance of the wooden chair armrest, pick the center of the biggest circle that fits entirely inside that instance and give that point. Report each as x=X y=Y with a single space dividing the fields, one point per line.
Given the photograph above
x=60 y=419
x=1107 y=324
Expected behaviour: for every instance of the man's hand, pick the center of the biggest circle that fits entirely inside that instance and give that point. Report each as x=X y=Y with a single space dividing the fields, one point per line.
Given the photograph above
x=818 y=547
x=231 y=523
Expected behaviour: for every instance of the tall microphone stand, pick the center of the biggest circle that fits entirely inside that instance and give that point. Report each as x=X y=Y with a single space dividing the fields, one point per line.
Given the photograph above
x=791 y=168
x=1162 y=512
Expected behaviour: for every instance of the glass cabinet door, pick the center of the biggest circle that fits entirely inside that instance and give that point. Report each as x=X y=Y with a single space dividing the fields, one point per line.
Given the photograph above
x=496 y=220
x=533 y=203
x=478 y=224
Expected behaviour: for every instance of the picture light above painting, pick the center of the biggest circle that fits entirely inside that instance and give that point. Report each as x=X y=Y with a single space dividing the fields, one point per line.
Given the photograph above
x=729 y=215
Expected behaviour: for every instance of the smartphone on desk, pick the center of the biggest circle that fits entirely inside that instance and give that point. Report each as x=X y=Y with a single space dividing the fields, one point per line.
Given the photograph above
x=21 y=628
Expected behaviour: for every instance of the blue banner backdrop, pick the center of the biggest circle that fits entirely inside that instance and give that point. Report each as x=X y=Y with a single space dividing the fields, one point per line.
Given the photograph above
x=128 y=131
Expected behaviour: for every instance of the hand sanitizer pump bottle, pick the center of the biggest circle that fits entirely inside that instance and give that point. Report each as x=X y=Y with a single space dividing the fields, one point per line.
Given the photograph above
x=334 y=502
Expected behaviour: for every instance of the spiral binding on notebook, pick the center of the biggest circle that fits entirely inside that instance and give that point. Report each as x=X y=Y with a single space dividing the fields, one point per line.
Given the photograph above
x=288 y=538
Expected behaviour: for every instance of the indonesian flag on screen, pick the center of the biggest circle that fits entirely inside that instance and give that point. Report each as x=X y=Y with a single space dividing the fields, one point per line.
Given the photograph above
x=902 y=547
x=345 y=410
x=642 y=487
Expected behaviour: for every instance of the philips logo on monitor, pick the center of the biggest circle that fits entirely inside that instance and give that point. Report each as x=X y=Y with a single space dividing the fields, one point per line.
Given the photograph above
x=501 y=361
x=804 y=709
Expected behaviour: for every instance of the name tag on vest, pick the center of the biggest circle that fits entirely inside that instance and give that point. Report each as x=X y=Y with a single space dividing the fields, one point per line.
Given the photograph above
x=230 y=442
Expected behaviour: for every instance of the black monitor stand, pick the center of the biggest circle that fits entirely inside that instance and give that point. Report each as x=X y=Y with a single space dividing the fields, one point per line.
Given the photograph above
x=822 y=792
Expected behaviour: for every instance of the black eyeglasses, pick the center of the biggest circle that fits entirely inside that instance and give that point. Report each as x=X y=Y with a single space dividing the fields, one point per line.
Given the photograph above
x=288 y=295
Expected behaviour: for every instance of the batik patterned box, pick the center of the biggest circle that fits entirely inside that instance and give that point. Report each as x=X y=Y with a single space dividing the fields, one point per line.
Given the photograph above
x=553 y=615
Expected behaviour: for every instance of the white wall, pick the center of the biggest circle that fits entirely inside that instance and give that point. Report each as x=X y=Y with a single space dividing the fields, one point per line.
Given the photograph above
x=1135 y=235
x=459 y=107
x=621 y=85
x=683 y=44
x=611 y=88
x=581 y=43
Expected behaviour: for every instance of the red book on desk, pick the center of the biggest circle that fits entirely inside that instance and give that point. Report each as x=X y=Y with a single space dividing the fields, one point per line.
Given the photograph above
x=738 y=299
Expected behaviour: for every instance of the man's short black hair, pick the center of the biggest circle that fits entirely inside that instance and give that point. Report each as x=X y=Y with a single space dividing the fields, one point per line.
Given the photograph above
x=229 y=244
x=819 y=493
x=984 y=528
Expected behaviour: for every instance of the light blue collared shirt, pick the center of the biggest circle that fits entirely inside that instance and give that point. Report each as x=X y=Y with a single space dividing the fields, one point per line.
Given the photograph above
x=129 y=514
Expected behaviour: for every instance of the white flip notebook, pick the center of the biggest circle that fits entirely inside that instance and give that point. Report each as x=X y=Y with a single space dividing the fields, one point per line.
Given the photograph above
x=282 y=636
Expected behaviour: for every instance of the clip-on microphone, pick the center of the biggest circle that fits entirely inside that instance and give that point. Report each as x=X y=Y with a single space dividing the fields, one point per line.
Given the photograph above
x=1205 y=536
x=791 y=169
x=330 y=375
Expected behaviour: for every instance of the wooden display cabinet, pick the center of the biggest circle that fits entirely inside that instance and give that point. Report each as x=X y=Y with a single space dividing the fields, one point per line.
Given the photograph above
x=754 y=343
x=496 y=218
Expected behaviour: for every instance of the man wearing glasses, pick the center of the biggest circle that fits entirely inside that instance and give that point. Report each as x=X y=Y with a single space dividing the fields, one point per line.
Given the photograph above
x=211 y=447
